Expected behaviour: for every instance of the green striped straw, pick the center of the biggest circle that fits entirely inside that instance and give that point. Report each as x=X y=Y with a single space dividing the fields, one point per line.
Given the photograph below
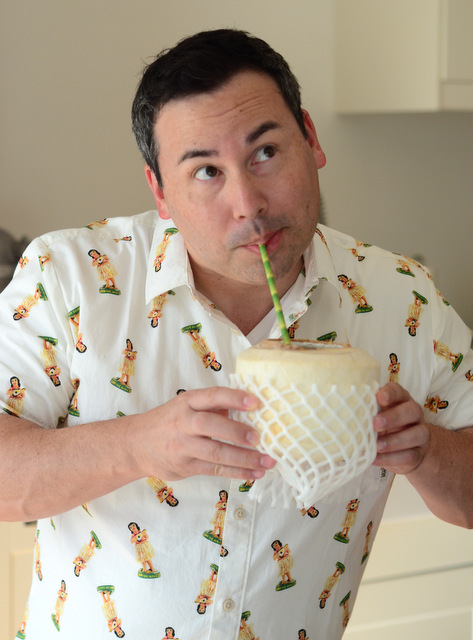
x=274 y=294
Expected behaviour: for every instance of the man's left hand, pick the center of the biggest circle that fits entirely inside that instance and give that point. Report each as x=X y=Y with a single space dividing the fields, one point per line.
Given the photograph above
x=403 y=435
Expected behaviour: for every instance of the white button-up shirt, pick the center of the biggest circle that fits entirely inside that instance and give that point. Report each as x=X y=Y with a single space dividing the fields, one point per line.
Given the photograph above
x=104 y=321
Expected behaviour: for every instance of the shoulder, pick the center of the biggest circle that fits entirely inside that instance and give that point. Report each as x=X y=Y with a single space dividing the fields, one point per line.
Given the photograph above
x=371 y=263
x=343 y=246
x=112 y=229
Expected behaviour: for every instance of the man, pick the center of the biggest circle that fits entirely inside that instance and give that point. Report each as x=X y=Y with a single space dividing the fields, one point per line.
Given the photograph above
x=232 y=161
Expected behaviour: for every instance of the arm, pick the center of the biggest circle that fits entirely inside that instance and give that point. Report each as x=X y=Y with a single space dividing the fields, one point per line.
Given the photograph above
x=436 y=461
x=49 y=471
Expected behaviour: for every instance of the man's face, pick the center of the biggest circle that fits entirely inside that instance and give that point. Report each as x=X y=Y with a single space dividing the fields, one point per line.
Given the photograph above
x=236 y=172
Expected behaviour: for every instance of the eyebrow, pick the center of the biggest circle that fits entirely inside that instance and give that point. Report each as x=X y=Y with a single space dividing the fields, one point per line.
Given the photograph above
x=250 y=139
x=259 y=131
x=197 y=153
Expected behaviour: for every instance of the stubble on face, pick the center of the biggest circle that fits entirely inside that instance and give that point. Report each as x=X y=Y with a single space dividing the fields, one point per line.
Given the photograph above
x=283 y=261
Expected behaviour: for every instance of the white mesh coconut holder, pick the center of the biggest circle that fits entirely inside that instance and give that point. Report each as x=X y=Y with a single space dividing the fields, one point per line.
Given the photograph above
x=317 y=402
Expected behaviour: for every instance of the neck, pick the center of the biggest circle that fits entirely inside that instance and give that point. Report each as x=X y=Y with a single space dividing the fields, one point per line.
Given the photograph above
x=246 y=311
x=242 y=303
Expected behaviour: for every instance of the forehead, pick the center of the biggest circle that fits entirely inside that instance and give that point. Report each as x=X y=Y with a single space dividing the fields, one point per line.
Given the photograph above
x=237 y=108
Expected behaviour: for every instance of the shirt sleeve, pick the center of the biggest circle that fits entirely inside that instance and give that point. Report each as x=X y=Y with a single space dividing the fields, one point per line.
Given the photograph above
x=450 y=400
x=35 y=342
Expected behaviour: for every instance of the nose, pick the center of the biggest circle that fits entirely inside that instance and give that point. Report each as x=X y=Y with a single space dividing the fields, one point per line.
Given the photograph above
x=248 y=201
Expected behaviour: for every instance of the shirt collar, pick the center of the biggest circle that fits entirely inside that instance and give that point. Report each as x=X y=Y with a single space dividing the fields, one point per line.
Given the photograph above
x=169 y=266
x=168 y=262
x=319 y=265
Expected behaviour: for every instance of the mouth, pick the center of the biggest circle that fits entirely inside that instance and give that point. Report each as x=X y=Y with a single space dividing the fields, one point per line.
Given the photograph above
x=271 y=240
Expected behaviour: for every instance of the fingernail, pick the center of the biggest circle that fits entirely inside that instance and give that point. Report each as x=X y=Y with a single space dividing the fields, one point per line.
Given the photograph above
x=252 y=437
x=379 y=423
x=250 y=402
x=383 y=397
x=267 y=462
x=380 y=445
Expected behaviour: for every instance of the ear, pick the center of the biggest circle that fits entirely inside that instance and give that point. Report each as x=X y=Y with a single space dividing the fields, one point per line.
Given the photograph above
x=313 y=141
x=157 y=192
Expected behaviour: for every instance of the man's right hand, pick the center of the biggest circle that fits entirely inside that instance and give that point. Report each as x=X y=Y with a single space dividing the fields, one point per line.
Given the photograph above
x=49 y=471
x=193 y=435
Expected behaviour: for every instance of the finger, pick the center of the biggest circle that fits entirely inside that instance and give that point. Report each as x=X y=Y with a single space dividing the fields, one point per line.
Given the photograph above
x=219 y=427
x=391 y=394
x=231 y=455
x=397 y=417
x=221 y=399
x=401 y=462
x=408 y=438
x=223 y=459
x=223 y=471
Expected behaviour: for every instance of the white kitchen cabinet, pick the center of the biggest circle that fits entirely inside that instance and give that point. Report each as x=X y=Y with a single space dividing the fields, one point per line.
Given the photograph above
x=403 y=56
x=418 y=584
x=16 y=558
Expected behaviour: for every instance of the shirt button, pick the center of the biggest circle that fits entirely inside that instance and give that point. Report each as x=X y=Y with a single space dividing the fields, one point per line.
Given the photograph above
x=240 y=513
x=228 y=604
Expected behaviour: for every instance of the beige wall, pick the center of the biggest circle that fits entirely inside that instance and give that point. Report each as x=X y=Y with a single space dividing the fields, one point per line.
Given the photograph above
x=68 y=73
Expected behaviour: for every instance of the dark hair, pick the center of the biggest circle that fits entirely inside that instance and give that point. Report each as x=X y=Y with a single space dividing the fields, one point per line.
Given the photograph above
x=199 y=64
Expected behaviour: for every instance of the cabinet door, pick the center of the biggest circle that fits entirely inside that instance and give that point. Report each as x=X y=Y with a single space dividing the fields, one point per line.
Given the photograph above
x=16 y=557
x=403 y=56
x=418 y=584
x=457 y=62
x=386 y=56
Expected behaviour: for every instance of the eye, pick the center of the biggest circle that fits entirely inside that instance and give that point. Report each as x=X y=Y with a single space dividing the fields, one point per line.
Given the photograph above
x=265 y=153
x=206 y=173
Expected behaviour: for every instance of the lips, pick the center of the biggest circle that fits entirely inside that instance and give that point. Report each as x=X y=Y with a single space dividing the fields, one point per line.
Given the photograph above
x=271 y=240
